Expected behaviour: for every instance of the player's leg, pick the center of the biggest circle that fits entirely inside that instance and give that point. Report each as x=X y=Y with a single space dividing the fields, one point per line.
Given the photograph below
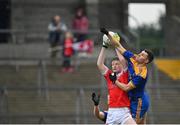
x=145 y=106
x=111 y=117
x=139 y=110
x=117 y=115
x=129 y=120
x=143 y=120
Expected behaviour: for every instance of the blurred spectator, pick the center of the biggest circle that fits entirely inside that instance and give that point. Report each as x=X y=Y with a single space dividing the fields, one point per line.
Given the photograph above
x=56 y=29
x=80 y=24
x=68 y=52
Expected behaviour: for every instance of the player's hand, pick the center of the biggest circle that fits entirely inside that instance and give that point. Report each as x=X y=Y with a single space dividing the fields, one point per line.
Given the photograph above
x=116 y=40
x=105 y=45
x=113 y=77
x=95 y=98
x=104 y=31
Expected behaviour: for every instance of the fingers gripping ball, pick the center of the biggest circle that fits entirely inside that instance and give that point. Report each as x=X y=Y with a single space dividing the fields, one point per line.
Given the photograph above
x=115 y=42
x=116 y=39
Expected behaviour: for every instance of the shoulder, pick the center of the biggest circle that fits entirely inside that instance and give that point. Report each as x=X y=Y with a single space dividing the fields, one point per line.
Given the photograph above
x=107 y=72
x=123 y=72
x=143 y=72
x=51 y=24
x=62 y=23
x=84 y=18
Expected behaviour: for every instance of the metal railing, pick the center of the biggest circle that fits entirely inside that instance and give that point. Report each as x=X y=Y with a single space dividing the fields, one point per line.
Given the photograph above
x=18 y=48
x=81 y=102
x=81 y=105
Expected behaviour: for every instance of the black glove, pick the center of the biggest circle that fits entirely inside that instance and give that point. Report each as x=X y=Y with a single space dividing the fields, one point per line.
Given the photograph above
x=95 y=99
x=113 y=77
x=103 y=30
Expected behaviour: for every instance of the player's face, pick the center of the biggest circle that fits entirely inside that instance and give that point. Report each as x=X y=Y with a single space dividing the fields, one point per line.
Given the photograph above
x=142 y=57
x=57 y=19
x=116 y=66
x=79 y=12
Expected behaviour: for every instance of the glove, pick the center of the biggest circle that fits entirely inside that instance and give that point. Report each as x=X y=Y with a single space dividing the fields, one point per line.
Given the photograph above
x=117 y=39
x=105 y=45
x=95 y=99
x=113 y=77
x=104 y=31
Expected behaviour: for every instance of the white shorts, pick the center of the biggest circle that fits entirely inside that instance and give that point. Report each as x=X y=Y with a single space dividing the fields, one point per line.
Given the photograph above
x=118 y=115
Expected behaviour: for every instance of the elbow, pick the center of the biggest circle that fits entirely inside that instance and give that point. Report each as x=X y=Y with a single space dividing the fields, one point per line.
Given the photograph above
x=122 y=86
x=126 y=89
x=99 y=65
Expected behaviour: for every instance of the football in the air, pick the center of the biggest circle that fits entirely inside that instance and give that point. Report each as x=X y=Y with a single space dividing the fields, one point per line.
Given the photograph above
x=107 y=41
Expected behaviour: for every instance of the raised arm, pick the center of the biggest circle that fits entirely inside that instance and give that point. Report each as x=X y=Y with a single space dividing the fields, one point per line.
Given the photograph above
x=120 y=49
x=100 y=62
x=114 y=41
x=121 y=59
x=101 y=59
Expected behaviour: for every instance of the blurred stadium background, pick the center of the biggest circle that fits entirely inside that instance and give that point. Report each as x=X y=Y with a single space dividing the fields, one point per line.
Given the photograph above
x=34 y=90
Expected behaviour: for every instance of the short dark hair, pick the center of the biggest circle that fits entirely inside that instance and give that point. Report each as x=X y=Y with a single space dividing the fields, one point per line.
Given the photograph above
x=115 y=58
x=150 y=55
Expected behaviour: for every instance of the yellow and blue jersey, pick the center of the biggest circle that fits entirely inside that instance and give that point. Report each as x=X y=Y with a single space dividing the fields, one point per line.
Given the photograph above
x=137 y=77
x=139 y=100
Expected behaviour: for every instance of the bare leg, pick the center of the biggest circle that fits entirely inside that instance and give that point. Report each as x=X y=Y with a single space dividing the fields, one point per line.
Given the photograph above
x=143 y=120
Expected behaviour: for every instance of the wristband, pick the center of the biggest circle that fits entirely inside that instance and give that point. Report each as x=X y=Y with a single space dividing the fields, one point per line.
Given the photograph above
x=105 y=46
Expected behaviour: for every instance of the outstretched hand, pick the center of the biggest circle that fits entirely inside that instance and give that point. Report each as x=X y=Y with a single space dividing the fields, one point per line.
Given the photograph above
x=95 y=98
x=104 y=31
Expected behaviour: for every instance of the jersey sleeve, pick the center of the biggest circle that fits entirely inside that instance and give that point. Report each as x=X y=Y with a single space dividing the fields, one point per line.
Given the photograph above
x=106 y=75
x=105 y=115
x=137 y=80
x=128 y=54
x=103 y=72
x=124 y=77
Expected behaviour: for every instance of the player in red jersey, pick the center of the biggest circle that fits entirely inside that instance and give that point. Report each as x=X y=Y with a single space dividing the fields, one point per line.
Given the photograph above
x=118 y=112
